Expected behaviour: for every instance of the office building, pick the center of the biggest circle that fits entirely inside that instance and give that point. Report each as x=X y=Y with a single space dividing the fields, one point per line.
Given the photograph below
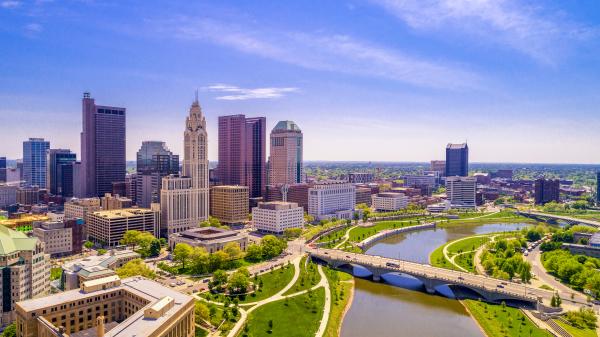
x=120 y=188
x=389 y=201
x=210 y=238
x=13 y=175
x=60 y=172
x=438 y=166
x=546 y=190
x=154 y=161
x=106 y=228
x=8 y=195
x=361 y=177
x=332 y=199
x=483 y=178
x=418 y=180
x=78 y=180
x=111 y=202
x=93 y=267
x=25 y=271
x=3 y=175
x=229 y=204
x=109 y=307
x=34 y=161
x=61 y=237
x=457 y=160
x=363 y=196
x=503 y=174
x=297 y=193
x=185 y=199
x=277 y=216
x=598 y=188
x=242 y=152
x=461 y=191
x=285 y=158
x=29 y=195
x=80 y=208
x=102 y=146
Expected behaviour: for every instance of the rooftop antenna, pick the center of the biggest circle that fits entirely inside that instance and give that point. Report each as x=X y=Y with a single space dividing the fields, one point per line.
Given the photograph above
x=196 y=96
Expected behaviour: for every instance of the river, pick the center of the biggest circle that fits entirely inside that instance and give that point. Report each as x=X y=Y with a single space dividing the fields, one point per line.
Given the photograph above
x=399 y=307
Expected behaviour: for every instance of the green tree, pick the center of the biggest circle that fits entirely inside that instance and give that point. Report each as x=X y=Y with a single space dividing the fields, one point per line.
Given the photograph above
x=219 y=278
x=233 y=250
x=182 y=253
x=88 y=244
x=272 y=246
x=217 y=260
x=238 y=282
x=154 y=249
x=10 y=331
x=135 y=267
x=254 y=253
x=292 y=233
x=199 y=260
x=202 y=312
x=131 y=238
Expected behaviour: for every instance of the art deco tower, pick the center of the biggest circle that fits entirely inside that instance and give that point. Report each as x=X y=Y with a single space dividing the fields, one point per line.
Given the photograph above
x=195 y=161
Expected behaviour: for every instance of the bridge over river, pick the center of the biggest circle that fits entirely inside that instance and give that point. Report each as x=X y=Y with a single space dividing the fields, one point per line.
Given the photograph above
x=555 y=218
x=490 y=289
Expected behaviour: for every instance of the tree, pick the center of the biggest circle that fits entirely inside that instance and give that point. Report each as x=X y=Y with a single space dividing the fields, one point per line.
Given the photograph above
x=131 y=238
x=101 y=251
x=211 y=222
x=135 y=267
x=202 y=312
x=272 y=246
x=292 y=233
x=233 y=250
x=525 y=272
x=199 y=260
x=254 y=253
x=88 y=244
x=219 y=278
x=10 y=331
x=154 y=249
x=356 y=217
x=238 y=282
x=182 y=253
x=270 y=326
x=217 y=260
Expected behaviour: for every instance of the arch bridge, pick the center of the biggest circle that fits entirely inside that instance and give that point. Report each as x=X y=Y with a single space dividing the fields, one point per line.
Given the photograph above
x=553 y=218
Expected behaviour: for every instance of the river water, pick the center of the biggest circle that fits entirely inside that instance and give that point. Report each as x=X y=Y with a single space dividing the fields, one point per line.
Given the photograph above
x=400 y=307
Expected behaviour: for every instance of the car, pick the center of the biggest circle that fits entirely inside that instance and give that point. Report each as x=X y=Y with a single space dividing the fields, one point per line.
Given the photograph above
x=348 y=257
x=391 y=264
x=461 y=278
x=504 y=283
x=500 y=286
x=172 y=284
x=206 y=280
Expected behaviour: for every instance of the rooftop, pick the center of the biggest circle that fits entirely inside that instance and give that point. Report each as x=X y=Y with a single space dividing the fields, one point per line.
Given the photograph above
x=122 y=213
x=276 y=205
x=457 y=146
x=209 y=234
x=104 y=261
x=286 y=126
x=12 y=241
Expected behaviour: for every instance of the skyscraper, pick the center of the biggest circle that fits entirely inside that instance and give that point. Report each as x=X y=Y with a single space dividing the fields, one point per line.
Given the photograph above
x=242 y=152
x=598 y=188
x=184 y=200
x=60 y=171
x=3 y=177
x=102 y=146
x=457 y=160
x=154 y=161
x=546 y=190
x=34 y=161
x=285 y=160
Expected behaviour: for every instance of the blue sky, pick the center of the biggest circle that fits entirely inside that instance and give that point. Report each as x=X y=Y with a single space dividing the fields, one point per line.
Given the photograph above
x=391 y=80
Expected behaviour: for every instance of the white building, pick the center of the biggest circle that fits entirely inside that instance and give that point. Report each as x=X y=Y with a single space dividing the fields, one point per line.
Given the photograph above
x=333 y=199
x=277 y=216
x=440 y=207
x=389 y=201
x=461 y=191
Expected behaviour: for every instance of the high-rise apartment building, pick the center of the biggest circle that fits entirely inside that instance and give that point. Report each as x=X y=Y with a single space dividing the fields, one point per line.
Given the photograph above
x=332 y=199
x=285 y=158
x=154 y=161
x=185 y=199
x=34 y=161
x=60 y=171
x=457 y=160
x=242 y=152
x=461 y=191
x=102 y=146
x=3 y=176
x=25 y=271
x=546 y=190
x=229 y=204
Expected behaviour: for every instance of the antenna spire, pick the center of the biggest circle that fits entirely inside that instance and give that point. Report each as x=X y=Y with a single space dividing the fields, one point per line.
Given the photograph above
x=196 y=96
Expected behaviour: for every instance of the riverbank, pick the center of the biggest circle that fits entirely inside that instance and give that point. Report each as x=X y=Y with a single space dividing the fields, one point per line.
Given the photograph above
x=342 y=292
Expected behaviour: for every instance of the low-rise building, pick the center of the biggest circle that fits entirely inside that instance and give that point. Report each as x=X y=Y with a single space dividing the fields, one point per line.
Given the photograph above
x=109 y=307
x=61 y=237
x=230 y=204
x=29 y=195
x=332 y=199
x=277 y=216
x=79 y=208
x=25 y=271
x=360 y=177
x=210 y=238
x=109 y=202
x=94 y=267
x=107 y=227
x=8 y=195
x=363 y=196
x=297 y=193
x=418 y=180
x=443 y=206
x=461 y=191
x=389 y=201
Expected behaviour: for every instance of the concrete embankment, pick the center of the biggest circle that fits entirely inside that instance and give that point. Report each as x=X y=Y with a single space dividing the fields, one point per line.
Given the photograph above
x=390 y=232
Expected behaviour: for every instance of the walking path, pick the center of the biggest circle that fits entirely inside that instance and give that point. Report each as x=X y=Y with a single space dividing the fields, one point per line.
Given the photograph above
x=451 y=259
x=346 y=237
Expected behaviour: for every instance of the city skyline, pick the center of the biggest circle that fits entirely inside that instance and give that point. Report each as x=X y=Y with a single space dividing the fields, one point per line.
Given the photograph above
x=354 y=75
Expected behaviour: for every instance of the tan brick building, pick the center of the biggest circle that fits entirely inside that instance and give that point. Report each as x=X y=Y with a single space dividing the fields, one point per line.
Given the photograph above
x=229 y=204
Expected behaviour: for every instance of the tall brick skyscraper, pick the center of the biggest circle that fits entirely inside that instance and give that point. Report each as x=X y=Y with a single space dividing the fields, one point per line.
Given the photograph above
x=285 y=159
x=102 y=147
x=242 y=152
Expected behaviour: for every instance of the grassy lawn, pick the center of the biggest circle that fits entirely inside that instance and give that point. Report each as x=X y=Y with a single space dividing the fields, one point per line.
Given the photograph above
x=200 y=332
x=499 y=322
x=360 y=233
x=297 y=316
x=467 y=245
x=272 y=282
x=340 y=290
x=575 y=332
x=338 y=234
x=217 y=317
x=437 y=259
x=309 y=277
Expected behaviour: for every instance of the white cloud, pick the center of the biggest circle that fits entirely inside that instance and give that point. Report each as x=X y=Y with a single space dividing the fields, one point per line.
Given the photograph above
x=33 y=29
x=10 y=4
x=237 y=93
x=327 y=52
x=530 y=30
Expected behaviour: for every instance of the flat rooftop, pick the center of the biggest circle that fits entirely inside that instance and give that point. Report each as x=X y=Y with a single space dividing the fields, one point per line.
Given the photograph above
x=98 y=260
x=122 y=213
x=207 y=234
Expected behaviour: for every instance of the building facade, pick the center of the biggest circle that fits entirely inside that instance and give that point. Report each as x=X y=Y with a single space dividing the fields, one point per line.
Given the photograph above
x=389 y=201
x=3 y=175
x=60 y=172
x=297 y=193
x=60 y=238
x=102 y=146
x=286 y=156
x=210 y=238
x=154 y=161
x=93 y=267
x=111 y=202
x=35 y=162
x=333 y=199
x=457 y=160
x=108 y=227
x=25 y=271
x=361 y=177
x=230 y=204
x=80 y=208
x=438 y=166
x=277 y=216
x=28 y=195
x=546 y=190
x=461 y=191
x=107 y=307
x=363 y=196
x=8 y=195
x=242 y=152
x=598 y=188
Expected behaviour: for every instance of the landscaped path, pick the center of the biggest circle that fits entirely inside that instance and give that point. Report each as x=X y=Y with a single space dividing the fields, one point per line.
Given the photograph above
x=279 y=296
x=451 y=259
x=346 y=237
